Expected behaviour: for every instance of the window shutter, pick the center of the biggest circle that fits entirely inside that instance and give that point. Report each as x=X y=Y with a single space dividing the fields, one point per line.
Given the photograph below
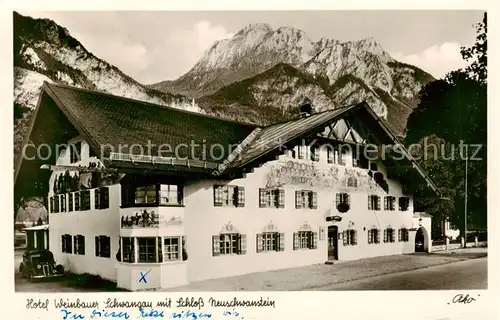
x=378 y=203
x=215 y=245
x=348 y=198
x=281 y=240
x=243 y=244
x=399 y=235
x=315 y=240
x=240 y=202
x=75 y=244
x=369 y=236
x=407 y=235
x=386 y=203
x=344 y=237
x=262 y=198
x=96 y=243
x=63 y=243
x=96 y=199
x=159 y=248
x=370 y=203
x=82 y=243
x=355 y=237
x=313 y=199
x=259 y=243
x=393 y=238
x=217 y=196
x=295 y=241
x=298 y=200
x=281 y=198
x=385 y=235
x=337 y=196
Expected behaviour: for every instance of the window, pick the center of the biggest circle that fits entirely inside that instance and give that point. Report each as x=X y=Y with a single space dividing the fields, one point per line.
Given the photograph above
x=101 y=198
x=389 y=202
x=389 y=235
x=404 y=203
x=314 y=153
x=145 y=194
x=352 y=182
x=331 y=154
x=103 y=246
x=228 y=195
x=63 y=203
x=128 y=249
x=341 y=155
x=85 y=200
x=70 y=202
x=75 y=152
x=270 y=241
x=306 y=199
x=373 y=202
x=350 y=237
x=301 y=152
x=170 y=194
x=66 y=243
x=171 y=249
x=56 y=204
x=343 y=198
x=271 y=198
x=229 y=243
x=305 y=240
x=79 y=241
x=373 y=236
x=403 y=235
x=77 y=201
x=147 y=250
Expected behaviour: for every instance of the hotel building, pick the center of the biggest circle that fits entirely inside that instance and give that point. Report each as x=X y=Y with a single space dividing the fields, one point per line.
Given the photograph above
x=212 y=198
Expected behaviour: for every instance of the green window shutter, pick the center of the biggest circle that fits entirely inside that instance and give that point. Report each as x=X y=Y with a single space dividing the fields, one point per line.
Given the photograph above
x=242 y=244
x=281 y=240
x=313 y=200
x=295 y=241
x=298 y=200
x=215 y=245
x=97 y=253
x=259 y=243
x=315 y=240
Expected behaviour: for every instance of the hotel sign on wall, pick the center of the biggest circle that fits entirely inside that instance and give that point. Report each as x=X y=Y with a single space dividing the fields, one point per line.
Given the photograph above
x=148 y=219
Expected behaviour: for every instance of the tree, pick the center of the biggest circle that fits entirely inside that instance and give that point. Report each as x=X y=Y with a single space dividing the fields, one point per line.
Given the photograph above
x=453 y=112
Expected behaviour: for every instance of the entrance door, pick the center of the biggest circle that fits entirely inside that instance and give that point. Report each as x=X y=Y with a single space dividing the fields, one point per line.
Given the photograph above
x=332 y=243
x=419 y=241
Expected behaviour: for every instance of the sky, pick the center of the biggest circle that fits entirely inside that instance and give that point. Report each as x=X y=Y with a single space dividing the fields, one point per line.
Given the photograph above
x=153 y=46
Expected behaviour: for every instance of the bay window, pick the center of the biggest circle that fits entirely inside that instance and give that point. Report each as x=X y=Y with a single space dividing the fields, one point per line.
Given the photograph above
x=154 y=194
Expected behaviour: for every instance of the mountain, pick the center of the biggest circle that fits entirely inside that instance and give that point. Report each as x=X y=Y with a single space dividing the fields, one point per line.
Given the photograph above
x=262 y=75
x=45 y=51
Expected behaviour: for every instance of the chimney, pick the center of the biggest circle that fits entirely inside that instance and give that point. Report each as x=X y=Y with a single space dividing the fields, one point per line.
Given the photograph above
x=306 y=109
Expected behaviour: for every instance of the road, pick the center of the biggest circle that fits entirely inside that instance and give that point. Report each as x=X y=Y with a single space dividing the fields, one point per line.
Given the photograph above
x=471 y=274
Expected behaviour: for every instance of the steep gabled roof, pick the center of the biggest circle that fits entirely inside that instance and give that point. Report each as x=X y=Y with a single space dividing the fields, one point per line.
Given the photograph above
x=108 y=120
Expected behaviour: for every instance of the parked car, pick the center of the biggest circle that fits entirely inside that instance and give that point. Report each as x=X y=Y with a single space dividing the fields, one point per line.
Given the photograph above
x=39 y=264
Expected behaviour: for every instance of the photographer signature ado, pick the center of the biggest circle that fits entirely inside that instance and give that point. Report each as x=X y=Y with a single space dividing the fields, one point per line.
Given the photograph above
x=462 y=299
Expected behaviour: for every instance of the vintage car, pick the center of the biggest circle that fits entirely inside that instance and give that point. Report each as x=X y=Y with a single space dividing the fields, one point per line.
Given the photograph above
x=39 y=264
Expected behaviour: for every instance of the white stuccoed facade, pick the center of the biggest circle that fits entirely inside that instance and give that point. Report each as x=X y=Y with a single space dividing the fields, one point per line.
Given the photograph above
x=198 y=220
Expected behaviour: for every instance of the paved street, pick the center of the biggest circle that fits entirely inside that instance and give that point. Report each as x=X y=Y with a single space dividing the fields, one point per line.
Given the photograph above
x=471 y=274
x=463 y=269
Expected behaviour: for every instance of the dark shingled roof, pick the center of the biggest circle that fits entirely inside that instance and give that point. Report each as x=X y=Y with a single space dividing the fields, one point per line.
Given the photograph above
x=113 y=120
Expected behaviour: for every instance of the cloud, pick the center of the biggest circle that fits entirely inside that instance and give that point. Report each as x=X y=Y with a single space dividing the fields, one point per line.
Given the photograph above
x=436 y=60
